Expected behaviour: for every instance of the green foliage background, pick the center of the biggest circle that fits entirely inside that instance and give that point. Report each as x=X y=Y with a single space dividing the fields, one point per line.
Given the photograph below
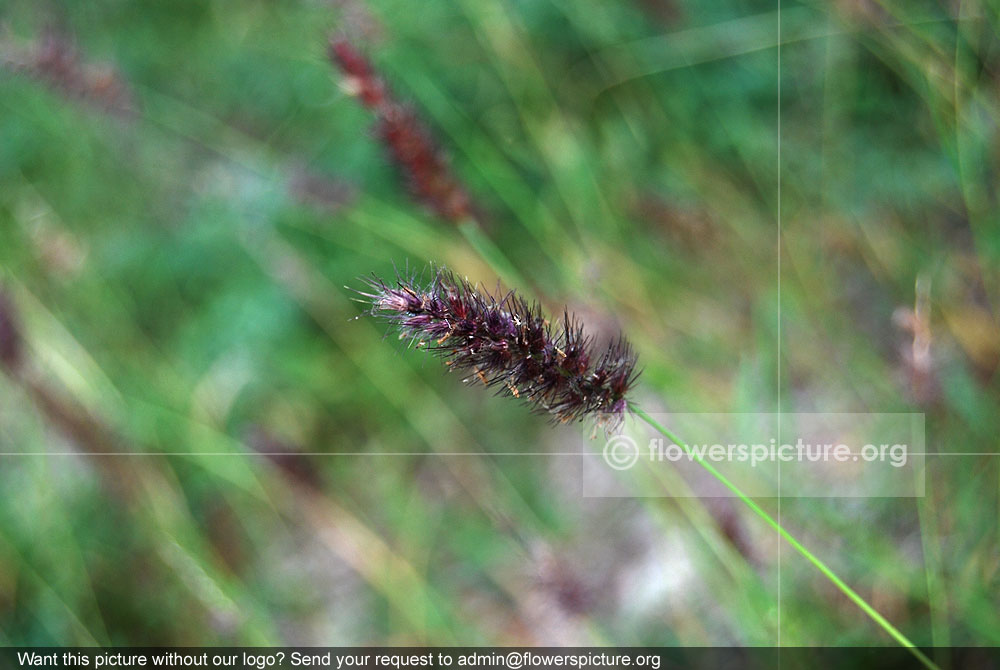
x=181 y=293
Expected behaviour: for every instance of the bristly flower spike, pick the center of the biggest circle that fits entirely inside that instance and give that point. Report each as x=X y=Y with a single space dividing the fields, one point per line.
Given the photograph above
x=507 y=343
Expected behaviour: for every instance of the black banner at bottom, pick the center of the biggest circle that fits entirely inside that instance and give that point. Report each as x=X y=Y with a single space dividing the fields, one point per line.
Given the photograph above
x=507 y=658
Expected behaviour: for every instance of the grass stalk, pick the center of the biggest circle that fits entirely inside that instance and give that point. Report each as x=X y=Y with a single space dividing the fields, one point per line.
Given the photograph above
x=791 y=539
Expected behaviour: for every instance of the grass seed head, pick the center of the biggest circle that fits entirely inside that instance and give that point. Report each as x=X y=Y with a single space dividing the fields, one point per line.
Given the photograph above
x=505 y=342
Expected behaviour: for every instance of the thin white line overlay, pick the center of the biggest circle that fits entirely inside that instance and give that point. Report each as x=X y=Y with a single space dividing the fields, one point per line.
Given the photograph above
x=383 y=453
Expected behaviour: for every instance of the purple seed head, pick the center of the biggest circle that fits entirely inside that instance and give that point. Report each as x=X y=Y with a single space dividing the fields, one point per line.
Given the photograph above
x=507 y=343
x=403 y=133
